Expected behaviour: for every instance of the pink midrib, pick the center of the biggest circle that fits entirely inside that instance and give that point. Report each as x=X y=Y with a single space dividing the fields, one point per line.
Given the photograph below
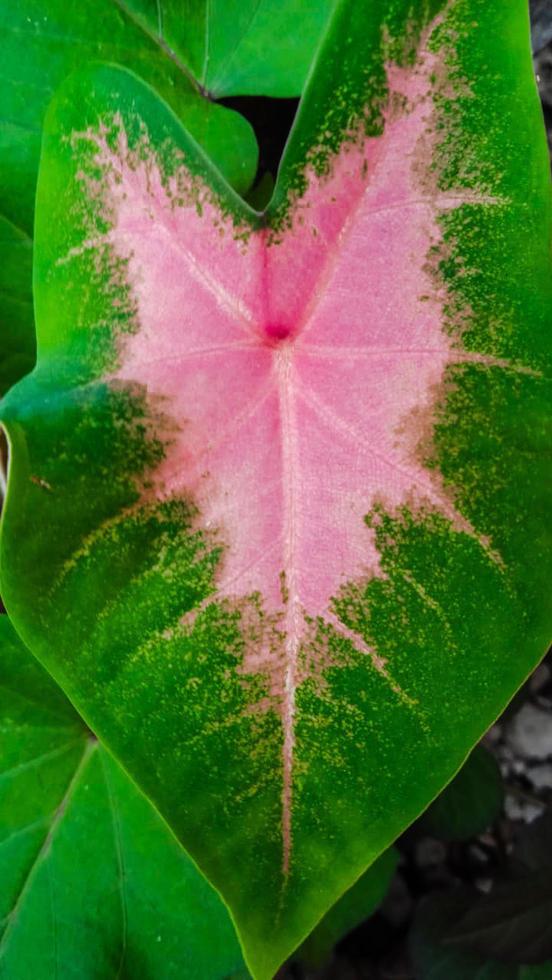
x=290 y=471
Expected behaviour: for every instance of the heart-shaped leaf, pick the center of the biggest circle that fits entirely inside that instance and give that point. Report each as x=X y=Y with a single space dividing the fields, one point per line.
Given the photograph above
x=277 y=513
x=93 y=882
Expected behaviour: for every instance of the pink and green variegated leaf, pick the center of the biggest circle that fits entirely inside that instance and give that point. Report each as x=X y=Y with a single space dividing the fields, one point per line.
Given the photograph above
x=277 y=511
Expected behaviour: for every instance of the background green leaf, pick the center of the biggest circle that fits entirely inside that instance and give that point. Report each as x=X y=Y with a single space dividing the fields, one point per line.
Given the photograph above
x=435 y=959
x=470 y=803
x=45 y=42
x=513 y=921
x=255 y=47
x=353 y=907
x=16 y=308
x=93 y=882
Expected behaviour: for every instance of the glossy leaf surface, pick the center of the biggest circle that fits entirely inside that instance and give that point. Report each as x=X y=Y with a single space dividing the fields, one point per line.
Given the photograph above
x=279 y=486
x=93 y=882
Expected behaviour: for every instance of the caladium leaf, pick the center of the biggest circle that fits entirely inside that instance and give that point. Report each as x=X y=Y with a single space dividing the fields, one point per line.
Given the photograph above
x=277 y=512
x=184 y=50
x=93 y=882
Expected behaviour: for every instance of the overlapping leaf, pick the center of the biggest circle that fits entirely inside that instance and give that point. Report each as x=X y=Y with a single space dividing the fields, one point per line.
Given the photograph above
x=353 y=907
x=278 y=495
x=435 y=958
x=512 y=922
x=16 y=308
x=93 y=883
x=470 y=803
x=255 y=47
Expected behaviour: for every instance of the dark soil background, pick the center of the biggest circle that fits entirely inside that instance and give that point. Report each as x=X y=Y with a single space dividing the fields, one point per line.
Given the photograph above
x=521 y=740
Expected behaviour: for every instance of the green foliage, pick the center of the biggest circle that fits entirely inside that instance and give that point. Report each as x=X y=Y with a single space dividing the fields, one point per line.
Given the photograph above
x=470 y=803
x=93 y=882
x=501 y=935
x=435 y=958
x=357 y=904
x=16 y=311
x=43 y=42
x=512 y=922
x=255 y=47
